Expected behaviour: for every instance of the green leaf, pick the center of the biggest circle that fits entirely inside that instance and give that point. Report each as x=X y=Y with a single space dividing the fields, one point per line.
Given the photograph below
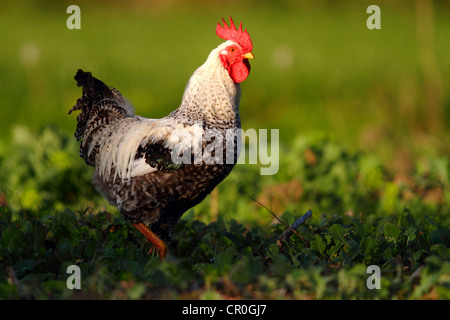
x=272 y=250
x=367 y=244
x=416 y=255
x=352 y=249
x=337 y=233
x=441 y=250
x=391 y=232
x=362 y=230
x=333 y=251
x=318 y=244
x=410 y=233
x=387 y=254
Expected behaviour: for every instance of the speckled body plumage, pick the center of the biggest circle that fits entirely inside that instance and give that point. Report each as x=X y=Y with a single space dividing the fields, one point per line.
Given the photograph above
x=131 y=154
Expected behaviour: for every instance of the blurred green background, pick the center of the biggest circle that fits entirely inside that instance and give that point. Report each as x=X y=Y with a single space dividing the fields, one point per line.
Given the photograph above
x=318 y=68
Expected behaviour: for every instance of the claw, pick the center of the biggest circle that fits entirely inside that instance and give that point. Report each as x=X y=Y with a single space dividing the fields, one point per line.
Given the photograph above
x=161 y=253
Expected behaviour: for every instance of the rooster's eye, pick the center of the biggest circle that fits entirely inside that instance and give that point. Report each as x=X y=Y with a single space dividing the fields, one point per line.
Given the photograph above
x=232 y=49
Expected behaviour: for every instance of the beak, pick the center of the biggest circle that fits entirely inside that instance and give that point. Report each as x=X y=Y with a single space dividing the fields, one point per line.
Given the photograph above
x=248 y=55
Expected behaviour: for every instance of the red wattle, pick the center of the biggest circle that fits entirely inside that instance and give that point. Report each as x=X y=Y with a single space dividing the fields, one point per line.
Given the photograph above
x=239 y=71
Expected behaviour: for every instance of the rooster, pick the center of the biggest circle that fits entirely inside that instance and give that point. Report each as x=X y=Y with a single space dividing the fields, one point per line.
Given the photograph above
x=134 y=156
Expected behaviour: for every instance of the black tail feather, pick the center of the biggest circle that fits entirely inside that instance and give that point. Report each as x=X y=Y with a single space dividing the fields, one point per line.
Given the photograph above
x=100 y=105
x=93 y=88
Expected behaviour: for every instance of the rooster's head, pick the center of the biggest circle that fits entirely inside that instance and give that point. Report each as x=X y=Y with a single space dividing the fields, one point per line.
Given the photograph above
x=236 y=55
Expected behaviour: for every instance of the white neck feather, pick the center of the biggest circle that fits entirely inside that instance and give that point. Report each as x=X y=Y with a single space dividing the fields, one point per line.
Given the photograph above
x=211 y=95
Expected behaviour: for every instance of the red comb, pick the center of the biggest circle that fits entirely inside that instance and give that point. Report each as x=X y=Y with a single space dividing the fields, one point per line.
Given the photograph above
x=242 y=38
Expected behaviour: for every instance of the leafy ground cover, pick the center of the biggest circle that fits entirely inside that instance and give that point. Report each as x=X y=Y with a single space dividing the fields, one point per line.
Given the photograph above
x=234 y=252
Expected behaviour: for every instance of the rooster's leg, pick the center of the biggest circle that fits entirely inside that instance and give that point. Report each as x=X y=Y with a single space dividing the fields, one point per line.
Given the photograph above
x=153 y=238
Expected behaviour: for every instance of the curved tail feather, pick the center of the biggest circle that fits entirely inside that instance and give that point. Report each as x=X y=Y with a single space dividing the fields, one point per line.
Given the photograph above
x=100 y=106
